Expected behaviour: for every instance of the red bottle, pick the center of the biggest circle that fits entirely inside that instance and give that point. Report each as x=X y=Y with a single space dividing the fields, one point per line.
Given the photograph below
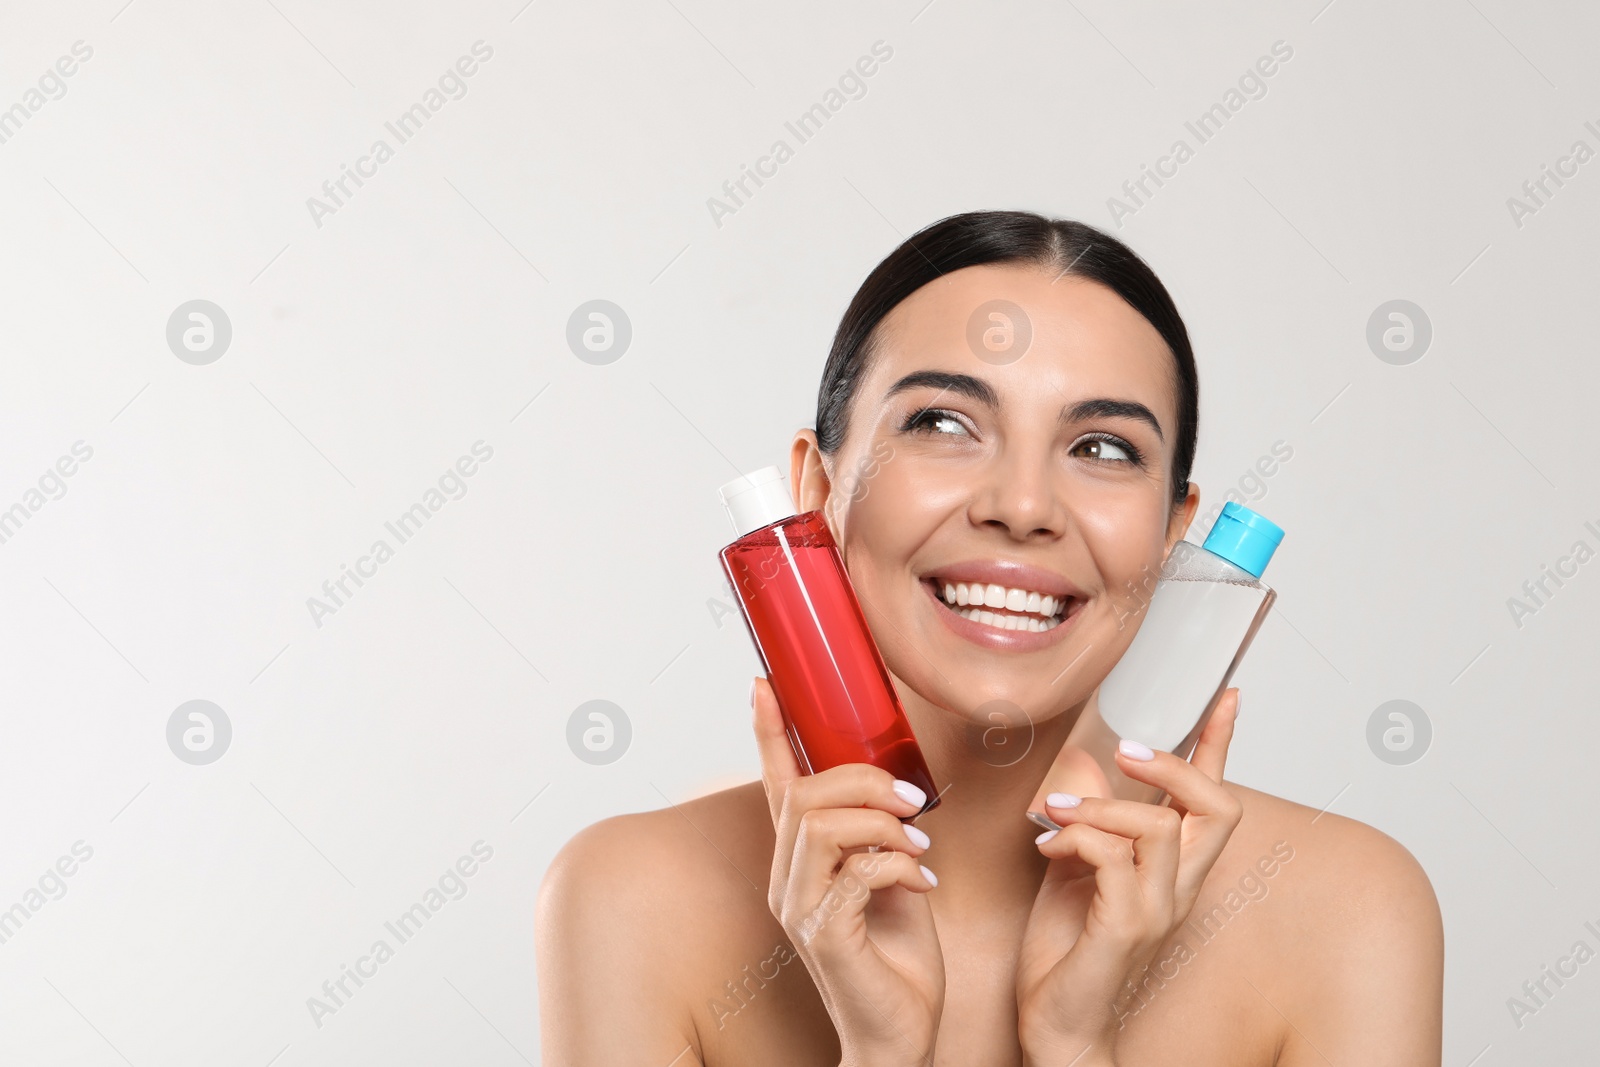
x=838 y=702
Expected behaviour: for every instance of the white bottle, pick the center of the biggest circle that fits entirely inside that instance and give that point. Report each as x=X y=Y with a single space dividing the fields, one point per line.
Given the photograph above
x=1203 y=614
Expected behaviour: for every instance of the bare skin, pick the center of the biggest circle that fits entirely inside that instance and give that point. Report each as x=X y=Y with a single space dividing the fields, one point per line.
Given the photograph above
x=1255 y=930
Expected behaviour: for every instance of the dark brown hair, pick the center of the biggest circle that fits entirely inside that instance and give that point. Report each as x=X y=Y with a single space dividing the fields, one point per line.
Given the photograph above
x=979 y=237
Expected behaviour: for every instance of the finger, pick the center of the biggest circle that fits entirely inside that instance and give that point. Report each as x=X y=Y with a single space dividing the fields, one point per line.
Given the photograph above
x=779 y=766
x=825 y=837
x=1154 y=832
x=1192 y=790
x=849 y=785
x=1209 y=810
x=1211 y=752
x=1118 y=889
x=1117 y=926
x=840 y=909
x=1074 y=771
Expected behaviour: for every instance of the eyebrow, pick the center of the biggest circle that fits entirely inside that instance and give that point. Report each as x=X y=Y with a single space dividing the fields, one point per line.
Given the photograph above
x=960 y=384
x=982 y=392
x=1107 y=408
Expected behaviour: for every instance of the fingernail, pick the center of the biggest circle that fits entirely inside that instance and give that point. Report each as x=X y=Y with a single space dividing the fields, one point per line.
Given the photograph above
x=909 y=793
x=1063 y=800
x=1238 y=699
x=752 y=692
x=1134 y=750
x=1047 y=835
x=929 y=875
x=916 y=836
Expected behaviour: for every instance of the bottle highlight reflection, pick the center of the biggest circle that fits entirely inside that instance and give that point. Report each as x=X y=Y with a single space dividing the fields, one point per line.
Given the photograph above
x=838 y=701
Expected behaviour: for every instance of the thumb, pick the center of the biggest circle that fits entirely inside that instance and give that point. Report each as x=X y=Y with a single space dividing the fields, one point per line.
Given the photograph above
x=1211 y=751
x=779 y=765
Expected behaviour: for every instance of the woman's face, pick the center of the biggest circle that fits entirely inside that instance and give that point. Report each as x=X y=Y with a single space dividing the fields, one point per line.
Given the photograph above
x=1032 y=486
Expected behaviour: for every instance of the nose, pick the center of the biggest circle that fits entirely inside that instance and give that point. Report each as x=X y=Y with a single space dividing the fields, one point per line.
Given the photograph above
x=1019 y=496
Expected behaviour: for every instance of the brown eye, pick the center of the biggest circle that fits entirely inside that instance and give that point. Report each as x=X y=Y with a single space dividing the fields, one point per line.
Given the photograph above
x=1109 y=449
x=934 y=421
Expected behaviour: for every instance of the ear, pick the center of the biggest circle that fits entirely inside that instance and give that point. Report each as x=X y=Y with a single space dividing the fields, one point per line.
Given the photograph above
x=1182 y=516
x=809 y=482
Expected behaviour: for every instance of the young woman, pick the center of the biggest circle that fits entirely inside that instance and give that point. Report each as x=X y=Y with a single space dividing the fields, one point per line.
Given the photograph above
x=798 y=921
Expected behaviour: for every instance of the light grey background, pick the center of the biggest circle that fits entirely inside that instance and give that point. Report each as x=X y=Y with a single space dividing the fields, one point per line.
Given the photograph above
x=430 y=311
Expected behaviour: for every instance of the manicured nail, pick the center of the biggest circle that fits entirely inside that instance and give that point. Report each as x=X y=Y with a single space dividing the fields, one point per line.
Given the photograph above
x=929 y=875
x=1237 y=700
x=1063 y=800
x=909 y=793
x=1134 y=750
x=1047 y=835
x=752 y=692
x=916 y=836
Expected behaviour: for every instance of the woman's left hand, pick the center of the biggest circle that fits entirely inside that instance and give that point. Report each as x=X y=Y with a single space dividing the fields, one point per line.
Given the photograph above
x=1123 y=875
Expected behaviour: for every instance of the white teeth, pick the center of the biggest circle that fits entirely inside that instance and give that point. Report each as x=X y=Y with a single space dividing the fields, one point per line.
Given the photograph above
x=1008 y=622
x=977 y=594
x=968 y=598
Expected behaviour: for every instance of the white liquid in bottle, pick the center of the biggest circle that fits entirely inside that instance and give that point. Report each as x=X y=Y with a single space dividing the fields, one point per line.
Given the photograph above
x=1205 y=610
x=1183 y=651
x=1203 y=614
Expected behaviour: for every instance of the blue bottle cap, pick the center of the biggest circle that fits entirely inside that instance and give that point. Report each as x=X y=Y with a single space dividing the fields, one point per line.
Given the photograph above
x=1243 y=538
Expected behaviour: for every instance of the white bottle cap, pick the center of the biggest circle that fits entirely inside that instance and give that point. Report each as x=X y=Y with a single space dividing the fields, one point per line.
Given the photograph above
x=756 y=500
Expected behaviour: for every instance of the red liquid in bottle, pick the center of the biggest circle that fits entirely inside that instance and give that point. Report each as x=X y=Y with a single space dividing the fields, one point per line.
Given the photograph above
x=838 y=702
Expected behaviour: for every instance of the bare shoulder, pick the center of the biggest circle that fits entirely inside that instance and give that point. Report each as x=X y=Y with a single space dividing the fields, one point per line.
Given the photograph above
x=1355 y=930
x=1346 y=867
x=659 y=874
x=654 y=903
x=720 y=837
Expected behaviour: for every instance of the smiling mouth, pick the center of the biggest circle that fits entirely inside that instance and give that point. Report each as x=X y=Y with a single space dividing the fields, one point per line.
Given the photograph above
x=1002 y=607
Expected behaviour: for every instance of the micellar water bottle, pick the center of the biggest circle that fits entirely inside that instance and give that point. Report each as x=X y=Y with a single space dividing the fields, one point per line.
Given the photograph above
x=1204 y=612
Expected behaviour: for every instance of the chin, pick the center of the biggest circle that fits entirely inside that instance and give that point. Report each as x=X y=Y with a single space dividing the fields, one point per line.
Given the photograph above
x=993 y=676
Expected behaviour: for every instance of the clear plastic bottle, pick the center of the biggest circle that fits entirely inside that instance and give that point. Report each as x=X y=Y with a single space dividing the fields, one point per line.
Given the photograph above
x=839 y=704
x=1203 y=614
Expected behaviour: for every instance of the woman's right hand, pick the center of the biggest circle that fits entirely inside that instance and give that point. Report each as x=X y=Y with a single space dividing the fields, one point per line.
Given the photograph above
x=859 y=920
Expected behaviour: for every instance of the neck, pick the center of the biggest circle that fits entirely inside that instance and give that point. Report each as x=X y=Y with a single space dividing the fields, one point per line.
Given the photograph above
x=983 y=843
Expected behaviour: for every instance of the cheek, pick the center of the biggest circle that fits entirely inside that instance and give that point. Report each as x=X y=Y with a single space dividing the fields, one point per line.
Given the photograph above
x=877 y=528
x=1127 y=539
x=888 y=518
x=916 y=487
x=874 y=484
